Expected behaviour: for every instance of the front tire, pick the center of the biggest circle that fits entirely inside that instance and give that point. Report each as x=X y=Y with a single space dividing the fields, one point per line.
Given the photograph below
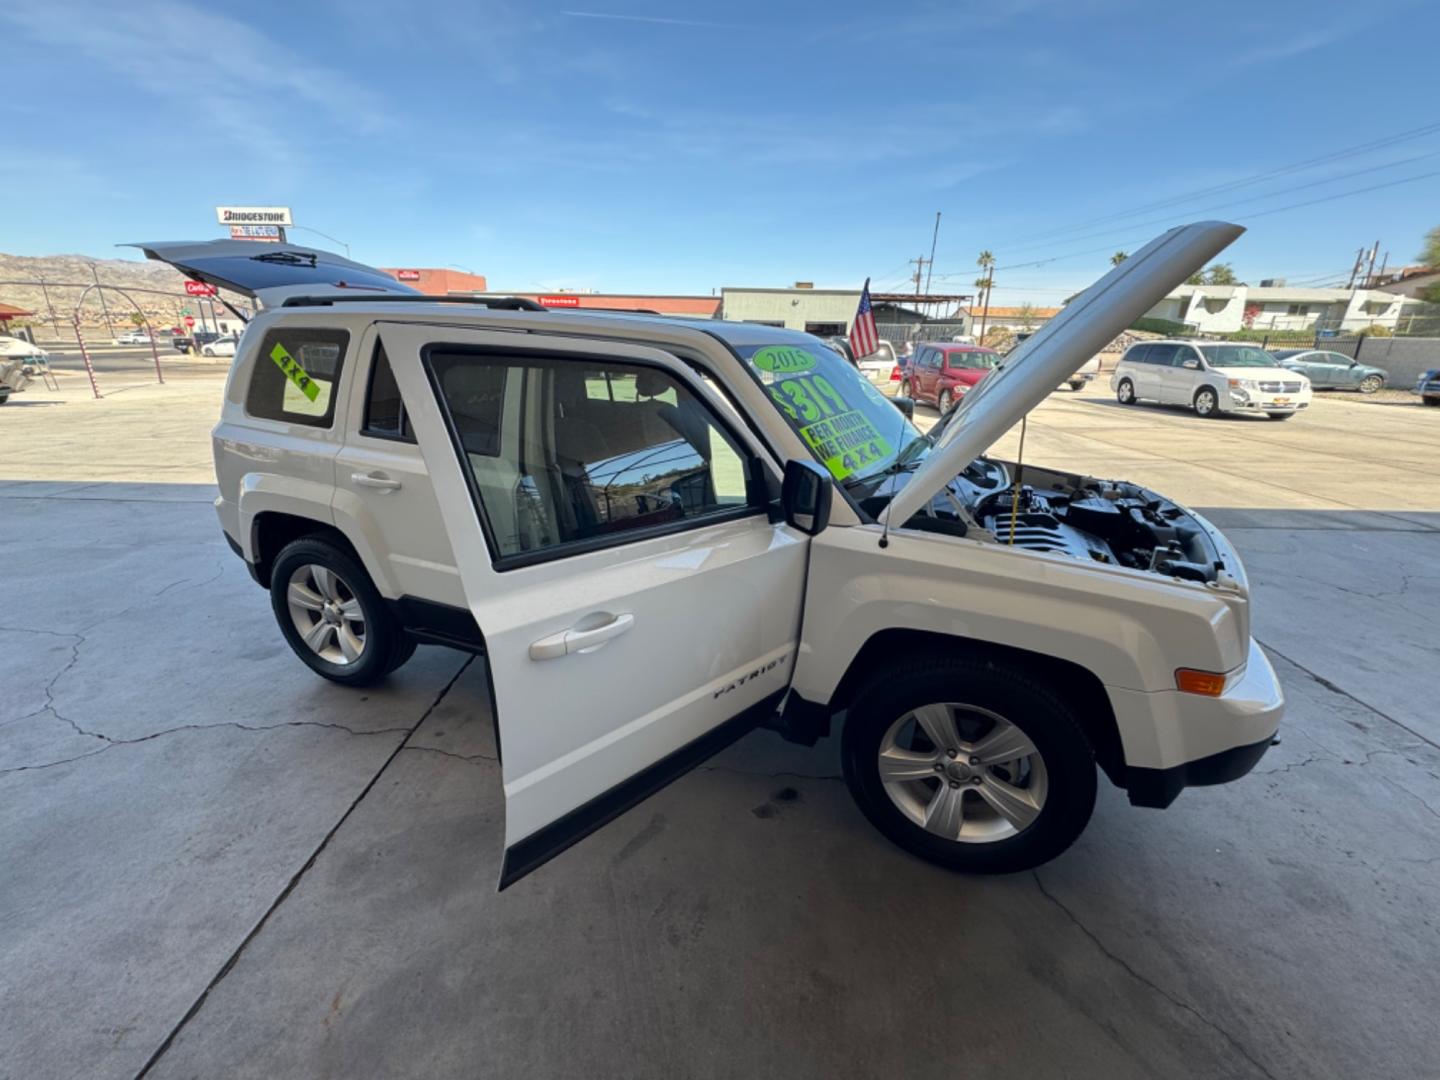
x=1371 y=383
x=332 y=616
x=1125 y=392
x=972 y=765
x=1076 y=387
x=946 y=400
x=1207 y=403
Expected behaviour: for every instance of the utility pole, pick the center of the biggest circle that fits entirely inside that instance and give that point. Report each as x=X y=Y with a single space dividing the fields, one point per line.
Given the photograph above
x=103 y=306
x=50 y=307
x=1370 y=270
x=933 y=238
x=1355 y=270
x=919 y=275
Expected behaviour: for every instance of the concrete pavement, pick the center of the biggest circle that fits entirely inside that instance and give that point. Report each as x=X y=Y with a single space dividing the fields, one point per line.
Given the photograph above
x=217 y=864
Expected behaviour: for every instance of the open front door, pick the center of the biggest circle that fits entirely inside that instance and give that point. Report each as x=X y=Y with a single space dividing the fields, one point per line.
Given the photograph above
x=639 y=608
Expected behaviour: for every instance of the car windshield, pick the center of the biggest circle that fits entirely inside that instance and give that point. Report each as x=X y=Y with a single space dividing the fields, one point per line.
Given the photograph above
x=853 y=429
x=1237 y=356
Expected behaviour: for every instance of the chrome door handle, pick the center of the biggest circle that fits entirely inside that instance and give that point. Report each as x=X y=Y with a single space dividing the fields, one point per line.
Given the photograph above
x=375 y=480
x=573 y=641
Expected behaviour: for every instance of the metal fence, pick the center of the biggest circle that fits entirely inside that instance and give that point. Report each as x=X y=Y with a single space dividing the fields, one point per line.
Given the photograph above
x=1403 y=358
x=937 y=330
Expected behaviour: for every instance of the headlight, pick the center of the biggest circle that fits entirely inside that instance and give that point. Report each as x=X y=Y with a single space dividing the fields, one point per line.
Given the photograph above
x=1243 y=384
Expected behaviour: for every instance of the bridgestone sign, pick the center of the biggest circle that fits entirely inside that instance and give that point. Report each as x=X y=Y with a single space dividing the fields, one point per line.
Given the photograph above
x=253 y=215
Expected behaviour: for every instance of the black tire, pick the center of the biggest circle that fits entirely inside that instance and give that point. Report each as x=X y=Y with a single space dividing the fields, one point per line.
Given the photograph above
x=4 y=397
x=1371 y=383
x=1207 y=403
x=1430 y=401
x=1125 y=392
x=1280 y=415
x=1005 y=690
x=385 y=642
x=906 y=390
x=946 y=400
x=1076 y=387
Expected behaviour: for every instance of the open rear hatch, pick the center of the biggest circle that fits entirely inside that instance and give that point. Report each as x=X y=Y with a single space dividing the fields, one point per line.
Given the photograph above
x=269 y=272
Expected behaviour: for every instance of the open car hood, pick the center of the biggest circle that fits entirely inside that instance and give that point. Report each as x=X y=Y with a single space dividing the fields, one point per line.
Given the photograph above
x=269 y=272
x=1084 y=326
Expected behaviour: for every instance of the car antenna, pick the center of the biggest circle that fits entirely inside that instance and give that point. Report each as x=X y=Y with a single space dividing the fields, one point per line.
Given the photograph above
x=1019 y=472
x=885 y=530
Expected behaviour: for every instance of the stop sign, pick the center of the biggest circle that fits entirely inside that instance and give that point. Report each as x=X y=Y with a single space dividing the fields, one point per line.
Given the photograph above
x=189 y=320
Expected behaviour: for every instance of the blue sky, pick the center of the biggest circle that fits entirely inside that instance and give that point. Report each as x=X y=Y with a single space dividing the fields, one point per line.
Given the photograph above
x=636 y=146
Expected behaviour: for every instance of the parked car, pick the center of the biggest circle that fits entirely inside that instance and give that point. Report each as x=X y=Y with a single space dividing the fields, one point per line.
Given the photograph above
x=1429 y=387
x=1331 y=370
x=195 y=340
x=20 y=362
x=224 y=346
x=1085 y=374
x=133 y=337
x=1210 y=377
x=942 y=372
x=662 y=533
x=880 y=365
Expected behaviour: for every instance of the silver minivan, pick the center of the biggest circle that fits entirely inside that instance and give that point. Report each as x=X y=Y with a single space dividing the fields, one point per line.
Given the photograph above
x=1211 y=377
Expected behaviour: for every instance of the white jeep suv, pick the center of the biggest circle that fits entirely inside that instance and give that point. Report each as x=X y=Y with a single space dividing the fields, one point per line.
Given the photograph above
x=661 y=533
x=1211 y=377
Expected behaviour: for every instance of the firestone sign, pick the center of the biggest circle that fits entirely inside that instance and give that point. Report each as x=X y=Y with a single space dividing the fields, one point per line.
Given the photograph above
x=253 y=215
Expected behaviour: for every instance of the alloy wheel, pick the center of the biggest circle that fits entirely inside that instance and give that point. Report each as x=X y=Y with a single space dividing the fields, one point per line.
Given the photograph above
x=327 y=614
x=1370 y=384
x=1125 y=392
x=1205 y=402
x=963 y=773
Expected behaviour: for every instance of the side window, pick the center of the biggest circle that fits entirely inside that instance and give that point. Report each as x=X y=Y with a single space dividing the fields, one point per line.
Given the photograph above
x=295 y=375
x=1138 y=354
x=569 y=450
x=1184 y=353
x=1161 y=355
x=384 y=412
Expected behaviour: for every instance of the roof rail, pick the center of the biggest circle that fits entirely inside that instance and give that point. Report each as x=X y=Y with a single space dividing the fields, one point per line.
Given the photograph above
x=499 y=303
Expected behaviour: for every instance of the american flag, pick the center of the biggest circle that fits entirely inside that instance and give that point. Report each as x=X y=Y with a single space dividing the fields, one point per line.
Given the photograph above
x=864 y=339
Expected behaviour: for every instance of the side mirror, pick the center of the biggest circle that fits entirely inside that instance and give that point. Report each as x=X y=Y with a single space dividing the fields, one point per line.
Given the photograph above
x=805 y=496
x=905 y=405
x=1193 y=365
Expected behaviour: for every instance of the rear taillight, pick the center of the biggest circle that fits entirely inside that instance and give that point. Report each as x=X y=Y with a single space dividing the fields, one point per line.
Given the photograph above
x=895 y=373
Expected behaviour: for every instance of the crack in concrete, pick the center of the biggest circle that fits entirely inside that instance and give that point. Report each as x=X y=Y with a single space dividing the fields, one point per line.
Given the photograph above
x=471 y=758
x=219 y=572
x=1334 y=689
x=294 y=881
x=1124 y=965
x=111 y=742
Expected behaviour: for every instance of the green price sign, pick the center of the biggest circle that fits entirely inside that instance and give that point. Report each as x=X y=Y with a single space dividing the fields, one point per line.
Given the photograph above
x=296 y=374
x=783 y=359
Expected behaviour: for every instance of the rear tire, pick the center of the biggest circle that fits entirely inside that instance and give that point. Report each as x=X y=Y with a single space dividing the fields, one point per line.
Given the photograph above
x=332 y=615
x=1125 y=392
x=1207 y=403
x=1076 y=387
x=1430 y=401
x=1047 y=792
x=4 y=397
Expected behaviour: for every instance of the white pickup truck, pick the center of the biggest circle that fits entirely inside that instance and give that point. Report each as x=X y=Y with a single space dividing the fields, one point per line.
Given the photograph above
x=661 y=533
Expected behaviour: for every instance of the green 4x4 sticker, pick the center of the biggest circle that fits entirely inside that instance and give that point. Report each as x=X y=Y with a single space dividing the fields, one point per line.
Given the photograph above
x=296 y=374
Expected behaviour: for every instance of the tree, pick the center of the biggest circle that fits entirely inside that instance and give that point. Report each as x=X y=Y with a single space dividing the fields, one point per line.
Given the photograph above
x=1214 y=274
x=984 y=283
x=1430 y=256
x=1026 y=315
x=137 y=319
x=1119 y=257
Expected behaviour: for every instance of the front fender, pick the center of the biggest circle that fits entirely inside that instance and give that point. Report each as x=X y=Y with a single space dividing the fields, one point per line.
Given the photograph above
x=1131 y=630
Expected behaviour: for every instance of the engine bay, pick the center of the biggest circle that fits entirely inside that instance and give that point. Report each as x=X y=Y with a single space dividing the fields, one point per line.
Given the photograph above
x=1106 y=521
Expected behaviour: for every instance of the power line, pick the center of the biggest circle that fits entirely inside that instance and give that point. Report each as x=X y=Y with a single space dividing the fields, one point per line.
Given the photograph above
x=1247 y=181
x=1260 y=198
x=1241 y=217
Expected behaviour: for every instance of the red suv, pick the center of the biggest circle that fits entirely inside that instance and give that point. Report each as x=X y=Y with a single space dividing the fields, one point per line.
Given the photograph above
x=938 y=374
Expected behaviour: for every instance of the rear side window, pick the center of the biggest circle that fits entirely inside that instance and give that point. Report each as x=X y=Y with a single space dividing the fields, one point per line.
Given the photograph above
x=295 y=376
x=1139 y=354
x=384 y=411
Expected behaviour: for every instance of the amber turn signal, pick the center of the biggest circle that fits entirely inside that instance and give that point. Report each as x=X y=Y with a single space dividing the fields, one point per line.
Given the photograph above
x=1206 y=683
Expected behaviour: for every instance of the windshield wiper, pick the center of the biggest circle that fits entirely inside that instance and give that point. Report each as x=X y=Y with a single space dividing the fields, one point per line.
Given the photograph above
x=289 y=258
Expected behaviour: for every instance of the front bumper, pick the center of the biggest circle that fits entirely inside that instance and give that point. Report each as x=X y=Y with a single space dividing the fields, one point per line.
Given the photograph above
x=1174 y=740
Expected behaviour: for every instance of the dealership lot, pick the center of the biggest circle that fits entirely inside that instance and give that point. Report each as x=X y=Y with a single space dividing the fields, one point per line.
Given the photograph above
x=219 y=864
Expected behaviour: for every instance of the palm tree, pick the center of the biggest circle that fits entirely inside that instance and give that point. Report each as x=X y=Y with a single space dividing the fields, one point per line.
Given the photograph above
x=986 y=262
x=1119 y=257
